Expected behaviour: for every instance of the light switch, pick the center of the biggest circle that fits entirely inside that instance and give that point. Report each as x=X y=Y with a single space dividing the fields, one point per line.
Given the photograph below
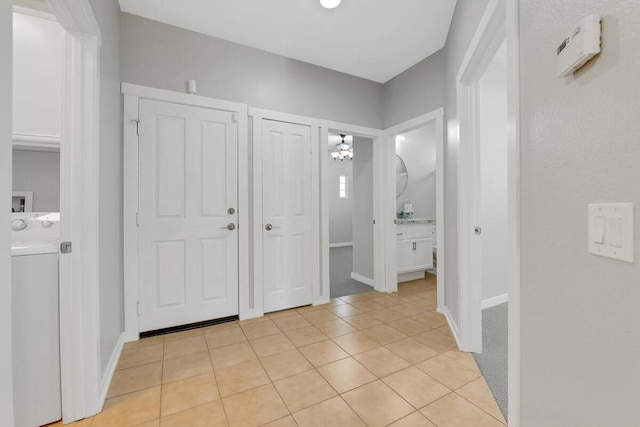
x=598 y=230
x=611 y=230
x=615 y=232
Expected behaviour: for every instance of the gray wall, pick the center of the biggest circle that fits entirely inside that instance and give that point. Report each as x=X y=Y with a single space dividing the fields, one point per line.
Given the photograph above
x=418 y=151
x=38 y=171
x=363 y=207
x=493 y=175
x=340 y=210
x=416 y=91
x=580 y=316
x=159 y=55
x=6 y=37
x=110 y=222
x=463 y=26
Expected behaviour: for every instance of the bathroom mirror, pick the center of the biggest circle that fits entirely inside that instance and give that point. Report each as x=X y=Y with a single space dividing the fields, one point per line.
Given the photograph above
x=402 y=177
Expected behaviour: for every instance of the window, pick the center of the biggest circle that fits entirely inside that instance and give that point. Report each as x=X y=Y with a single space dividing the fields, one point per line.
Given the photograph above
x=344 y=189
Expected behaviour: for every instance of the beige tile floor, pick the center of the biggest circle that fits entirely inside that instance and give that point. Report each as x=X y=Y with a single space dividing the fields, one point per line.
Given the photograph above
x=367 y=359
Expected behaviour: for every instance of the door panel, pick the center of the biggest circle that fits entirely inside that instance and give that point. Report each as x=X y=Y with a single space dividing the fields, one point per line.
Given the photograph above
x=287 y=197
x=187 y=182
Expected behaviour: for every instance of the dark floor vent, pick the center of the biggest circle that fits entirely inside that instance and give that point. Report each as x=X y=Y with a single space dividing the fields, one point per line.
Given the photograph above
x=187 y=327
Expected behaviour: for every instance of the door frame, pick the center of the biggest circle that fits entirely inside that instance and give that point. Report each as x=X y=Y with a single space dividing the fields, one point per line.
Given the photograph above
x=255 y=303
x=132 y=95
x=500 y=21
x=326 y=126
x=82 y=382
x=488 y=38
x=436 y=116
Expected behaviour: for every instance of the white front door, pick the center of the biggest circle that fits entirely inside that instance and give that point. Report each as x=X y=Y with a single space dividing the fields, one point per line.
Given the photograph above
x=188 y=237
x=287 y=217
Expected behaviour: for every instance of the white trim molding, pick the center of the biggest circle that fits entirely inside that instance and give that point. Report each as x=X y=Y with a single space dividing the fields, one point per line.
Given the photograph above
x=362 y=279
x=340 y=245
x=132 y=95
x=486 y=41
x=110 y=370
x=513 y=214
x=452 y=325
x=492 y=302
x=79 y=208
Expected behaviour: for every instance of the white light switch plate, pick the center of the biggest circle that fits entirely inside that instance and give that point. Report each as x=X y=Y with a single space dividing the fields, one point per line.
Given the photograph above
x=611 y=230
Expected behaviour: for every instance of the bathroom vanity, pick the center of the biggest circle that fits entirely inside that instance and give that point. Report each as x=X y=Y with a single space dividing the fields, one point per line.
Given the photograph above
x=414 y=241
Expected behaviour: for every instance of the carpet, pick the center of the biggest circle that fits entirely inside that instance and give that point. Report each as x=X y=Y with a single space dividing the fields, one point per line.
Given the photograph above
x=493 y=359
x=341 y=266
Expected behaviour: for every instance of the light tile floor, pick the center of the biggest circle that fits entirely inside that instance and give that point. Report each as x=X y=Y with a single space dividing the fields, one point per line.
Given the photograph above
x=367 y=359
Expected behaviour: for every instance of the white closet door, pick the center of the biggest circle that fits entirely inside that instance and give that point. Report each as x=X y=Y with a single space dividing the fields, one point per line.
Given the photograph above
x=287 y=217
x=188 y=239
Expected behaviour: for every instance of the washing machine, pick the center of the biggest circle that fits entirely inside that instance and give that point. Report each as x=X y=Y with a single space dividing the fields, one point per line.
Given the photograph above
x=35 y=318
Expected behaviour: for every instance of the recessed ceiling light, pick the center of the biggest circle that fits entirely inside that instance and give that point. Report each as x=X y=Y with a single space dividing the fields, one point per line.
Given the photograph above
x=330 y=4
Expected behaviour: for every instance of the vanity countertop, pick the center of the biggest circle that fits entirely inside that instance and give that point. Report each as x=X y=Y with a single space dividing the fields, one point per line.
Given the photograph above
x=415 y=221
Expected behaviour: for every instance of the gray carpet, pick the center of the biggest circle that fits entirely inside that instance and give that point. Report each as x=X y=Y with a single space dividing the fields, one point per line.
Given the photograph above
x=493 y=360
x=342 y=284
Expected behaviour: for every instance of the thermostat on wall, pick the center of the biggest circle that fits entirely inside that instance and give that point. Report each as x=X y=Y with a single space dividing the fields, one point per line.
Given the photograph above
x=580 y=46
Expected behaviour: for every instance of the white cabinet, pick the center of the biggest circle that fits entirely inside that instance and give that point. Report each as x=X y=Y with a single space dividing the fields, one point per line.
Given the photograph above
x=414 y=247
x=37 y=80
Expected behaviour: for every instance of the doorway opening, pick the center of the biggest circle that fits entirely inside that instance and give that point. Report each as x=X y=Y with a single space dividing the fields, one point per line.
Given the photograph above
x=485 y=201
x=55 y=137
x=351 y=230
x=416 y=169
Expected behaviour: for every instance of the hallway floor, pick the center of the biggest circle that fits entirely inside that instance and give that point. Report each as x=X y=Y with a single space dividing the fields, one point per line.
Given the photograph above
x=367 y=359
x=341 y=283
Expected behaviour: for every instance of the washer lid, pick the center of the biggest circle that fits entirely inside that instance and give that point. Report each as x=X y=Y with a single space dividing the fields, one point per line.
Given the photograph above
x=32 y=248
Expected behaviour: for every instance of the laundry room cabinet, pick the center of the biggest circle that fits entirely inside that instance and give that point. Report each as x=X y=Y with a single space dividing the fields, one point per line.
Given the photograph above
x=38 y=61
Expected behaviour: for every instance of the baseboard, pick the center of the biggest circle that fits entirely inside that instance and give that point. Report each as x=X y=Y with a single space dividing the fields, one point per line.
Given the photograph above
x=492 y=302
x=362 y=279
x=340 y=245
x=452 y=325
x=111 y=369
x=410 y=276
x=249 y=316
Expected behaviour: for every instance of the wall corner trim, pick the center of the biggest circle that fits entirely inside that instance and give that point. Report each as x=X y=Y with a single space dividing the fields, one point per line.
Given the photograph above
x=452 y=325
x=362 y=279
x=105 y=382
x=492 y=302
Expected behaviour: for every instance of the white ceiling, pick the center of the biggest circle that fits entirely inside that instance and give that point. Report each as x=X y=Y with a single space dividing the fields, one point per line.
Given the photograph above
x=373 y=39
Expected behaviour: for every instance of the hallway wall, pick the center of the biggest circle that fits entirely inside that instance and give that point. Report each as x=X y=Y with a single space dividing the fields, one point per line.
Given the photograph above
x=110 y=225
x=579 y=145
x=415 y=91
x=160 y=55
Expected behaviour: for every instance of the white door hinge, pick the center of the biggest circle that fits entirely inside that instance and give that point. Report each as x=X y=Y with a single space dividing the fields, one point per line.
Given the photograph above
x=138 y=308
x=137 y=219
x=235 y=116
x=138 y=132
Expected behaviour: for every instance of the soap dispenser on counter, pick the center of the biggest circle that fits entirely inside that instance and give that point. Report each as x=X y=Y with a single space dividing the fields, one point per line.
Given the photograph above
x=407 y=208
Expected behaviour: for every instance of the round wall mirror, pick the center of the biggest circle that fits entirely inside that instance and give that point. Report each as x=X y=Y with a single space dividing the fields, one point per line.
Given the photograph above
x=402 y=177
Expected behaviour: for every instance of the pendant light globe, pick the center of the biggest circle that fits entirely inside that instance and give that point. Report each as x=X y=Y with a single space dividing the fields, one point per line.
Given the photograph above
x=330 y=4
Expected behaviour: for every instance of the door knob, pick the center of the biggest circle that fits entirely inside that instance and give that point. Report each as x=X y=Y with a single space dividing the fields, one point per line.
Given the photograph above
x=231 y=226
x=269 y=227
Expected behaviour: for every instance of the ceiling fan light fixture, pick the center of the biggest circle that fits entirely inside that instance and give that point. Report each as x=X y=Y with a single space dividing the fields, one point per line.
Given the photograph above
x=330 y=4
